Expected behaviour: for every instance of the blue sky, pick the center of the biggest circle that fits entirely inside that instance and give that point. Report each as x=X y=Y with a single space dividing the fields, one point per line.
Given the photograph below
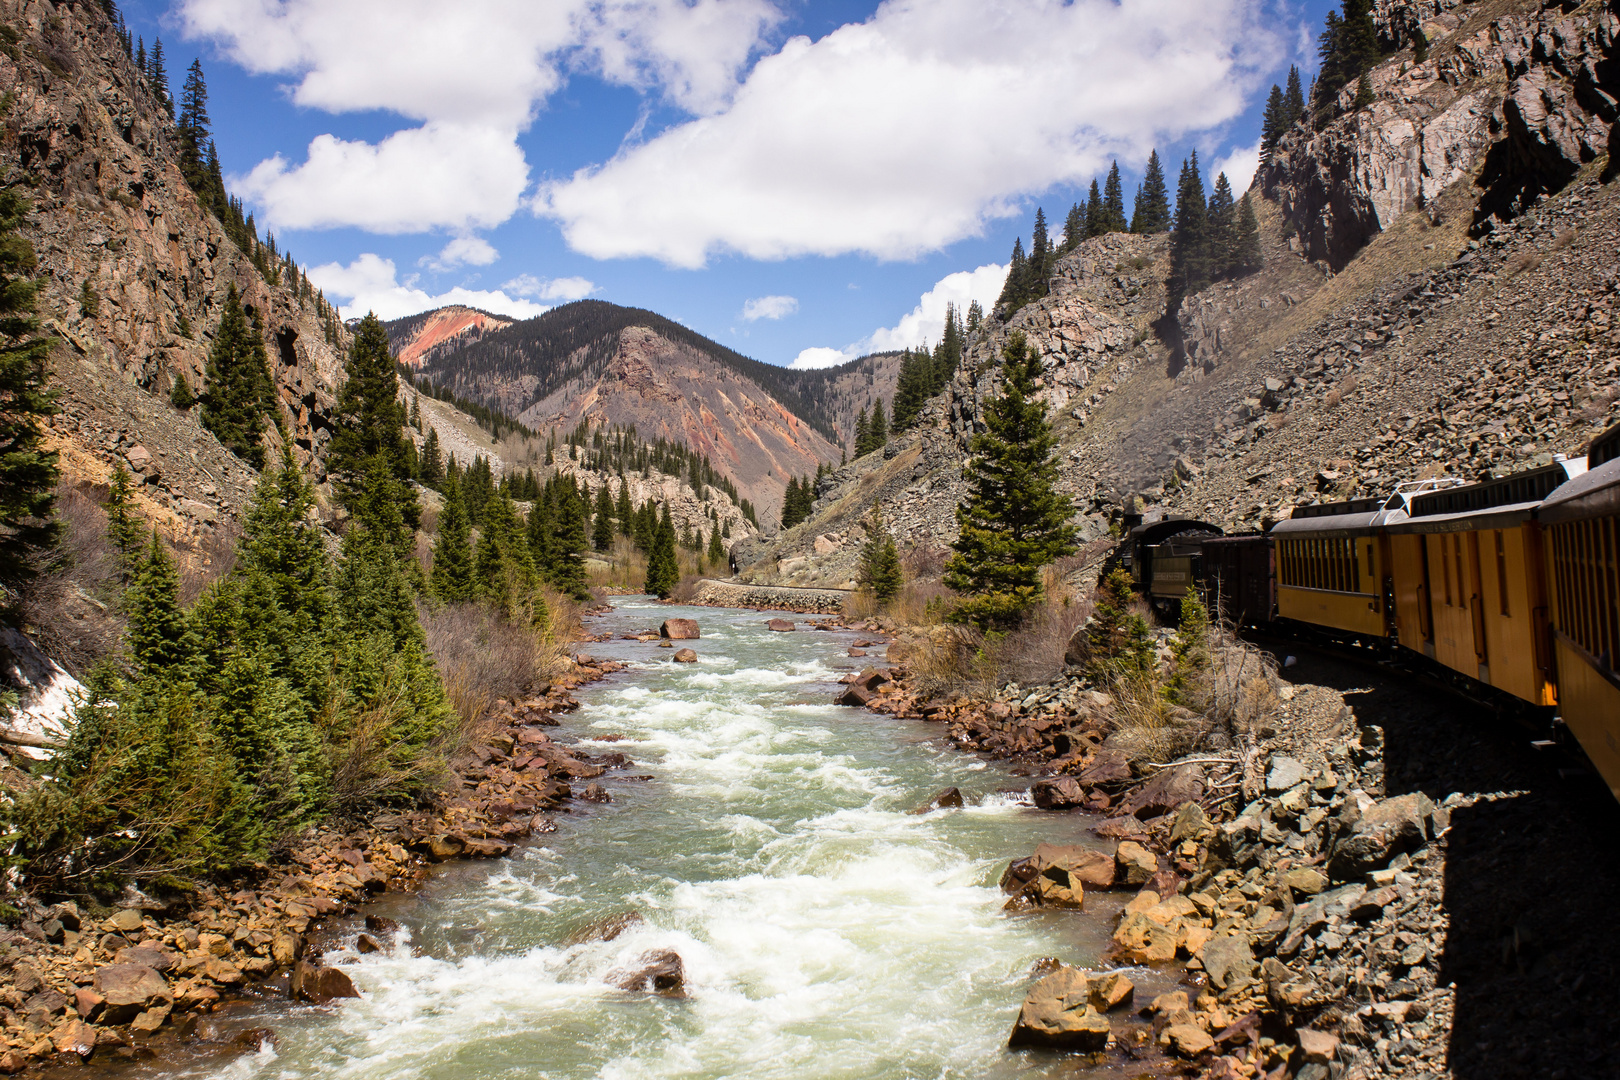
x=797 y=180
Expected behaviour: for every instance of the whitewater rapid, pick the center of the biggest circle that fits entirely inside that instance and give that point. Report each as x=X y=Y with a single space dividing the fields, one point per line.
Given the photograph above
x=825 y=930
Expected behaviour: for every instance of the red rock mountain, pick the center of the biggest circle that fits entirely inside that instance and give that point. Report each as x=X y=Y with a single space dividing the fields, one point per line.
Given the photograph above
x=758 y=423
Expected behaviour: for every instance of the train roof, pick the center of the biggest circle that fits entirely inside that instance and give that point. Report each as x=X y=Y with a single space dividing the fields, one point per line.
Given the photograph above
x=1351 y=517
x=1158 y=530
x=1595 y=493
x=1604 y=448
x=1502 y=502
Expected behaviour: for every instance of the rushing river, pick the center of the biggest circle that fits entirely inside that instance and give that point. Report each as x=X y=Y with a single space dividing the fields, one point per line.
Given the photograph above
x=826 y=931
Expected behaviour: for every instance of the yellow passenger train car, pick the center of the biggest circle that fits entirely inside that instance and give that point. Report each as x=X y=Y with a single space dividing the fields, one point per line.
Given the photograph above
x=1469 y=589
x=1582 y=545
x=1332 y=562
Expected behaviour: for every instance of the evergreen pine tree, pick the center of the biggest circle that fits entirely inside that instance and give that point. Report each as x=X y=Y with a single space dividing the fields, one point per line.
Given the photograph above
x=878 y=432
x=1040 y=257
x=863 y=433
x=790 y=503
x=1014 y=521
x=180 y=395
x=27 y=470
x=602 y=533
x=717 y=552
x=880 y=562
x=126 y=535
x=1364 y=94
x=1420 y=45
x=1152 y=213
x=911 y=389
x=237 y=392
x=1222 y=230
x=1074 y=228
x=452 y=574
x=623 y=512
x=192 y=127
x=1275 y=123
x=159 y=640
x=280 y=543
x=975 y=315
x=157 y=72
x=646 y=527
x=1189 y=247
x=1114 y=200
x=1293 y=99
x=542 y=527
x=1249 y=257
x=1096 y=215
x=367 y=423
x=1012 y=290
x=663 y=568
x=570 y=545
x=431 y=467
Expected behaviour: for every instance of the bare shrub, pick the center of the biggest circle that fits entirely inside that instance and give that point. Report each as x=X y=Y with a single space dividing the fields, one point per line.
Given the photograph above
x=924 y=561
x=922 y=603
x=1034 y=652
x=861 y=605
x=482 y=656
x=686 y=590
x=1344 y=389
x=1243 y=688
x=1523 y=261
x=950 y=661
x=70 y=607
x=1564 y=239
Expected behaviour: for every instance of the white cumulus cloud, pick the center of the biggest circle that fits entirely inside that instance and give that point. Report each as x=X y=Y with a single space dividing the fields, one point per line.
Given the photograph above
x=902 y=134
x=461 y=251
x=435 y=176
x=473 y=73
x=1239 y=165
x=769 y=307
x=371 y=283
x=536 y=288
x=820 y=357
x=923 y=324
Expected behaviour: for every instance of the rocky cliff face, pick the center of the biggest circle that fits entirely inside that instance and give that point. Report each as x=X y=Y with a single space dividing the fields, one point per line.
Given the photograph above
x=1520 y=98
x=96 y=153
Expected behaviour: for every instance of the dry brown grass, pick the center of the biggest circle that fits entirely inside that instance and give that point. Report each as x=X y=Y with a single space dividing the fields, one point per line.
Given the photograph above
x=1344 y=389
x=1564 y=239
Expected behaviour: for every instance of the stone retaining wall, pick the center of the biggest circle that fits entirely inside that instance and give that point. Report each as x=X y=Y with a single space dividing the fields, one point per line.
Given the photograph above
x=780 y=597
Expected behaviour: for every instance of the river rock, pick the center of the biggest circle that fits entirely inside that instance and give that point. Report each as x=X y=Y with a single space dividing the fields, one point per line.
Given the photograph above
x=1186 y=1040
x=317 y=983
x=1108 y=767
x=1140 y=940
x=1228 y=959
x=657 y=971
x=149 y=954
x=1134 y=864
x=443 y=847
x=781 y=626
x=77 y=1037
x=129 y=989
x=1317 y=1046
x=856 y=695
x=679 y=629
x=1060 y=793
x=1080 y=863
x=685 y=656
x=949 y=798
x=1058 y=1013
x=1111 y=991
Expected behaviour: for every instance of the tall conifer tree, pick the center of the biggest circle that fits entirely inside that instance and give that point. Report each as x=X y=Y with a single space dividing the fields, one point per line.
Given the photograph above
x=368 y=423
x=27 y=470
x=238 y=393
x=1014 y=521
x=452 y=575
x=1114 y=200
x=1152 y=212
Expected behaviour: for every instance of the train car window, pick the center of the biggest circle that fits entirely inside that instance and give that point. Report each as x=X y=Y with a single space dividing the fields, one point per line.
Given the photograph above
x=1501 y=571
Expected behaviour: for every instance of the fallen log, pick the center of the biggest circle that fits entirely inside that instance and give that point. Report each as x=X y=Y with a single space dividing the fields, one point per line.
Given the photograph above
x=28 y=738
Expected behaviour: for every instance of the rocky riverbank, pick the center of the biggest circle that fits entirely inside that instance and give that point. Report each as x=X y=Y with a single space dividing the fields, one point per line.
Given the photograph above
x=1308 y=883
x=120 y=983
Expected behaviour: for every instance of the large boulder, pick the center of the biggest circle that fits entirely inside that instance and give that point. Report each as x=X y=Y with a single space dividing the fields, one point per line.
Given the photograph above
x=1058 y=1013
x=685 y=656
x=129 y=990
x=679 y=629
x=1139 y=939
x=1228 y=959
x=1059 y=793
x=1107 y=767
x=1367 y=839
x=1134 y=864
x=781 y=626
x=1056 y=875
x=318 y=984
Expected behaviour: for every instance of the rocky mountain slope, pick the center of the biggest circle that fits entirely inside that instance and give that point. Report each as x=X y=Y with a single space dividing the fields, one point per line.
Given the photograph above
x=1410 y=320
x=606 y=364
x=97 y=153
